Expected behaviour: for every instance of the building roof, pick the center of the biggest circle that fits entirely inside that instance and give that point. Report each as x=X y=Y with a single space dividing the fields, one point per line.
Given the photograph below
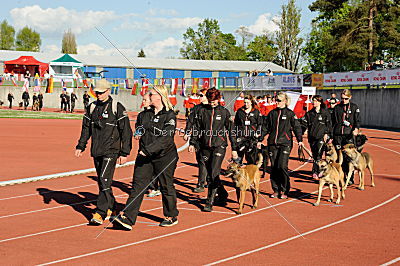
x=154 y=63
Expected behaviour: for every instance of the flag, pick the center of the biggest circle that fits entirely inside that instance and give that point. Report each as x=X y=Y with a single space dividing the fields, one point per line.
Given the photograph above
x=174 y=86
x=63 y=85
x=127 y=84
x=195 y=85
x=50 y=85
x=91 y=91
x=85 y=83
x=36 y=83
x=222 y=100
x=217 y=83
x=25 y=87
x=145 y=86
x=162 y=81
x=134 y=88
x=183 y=90
x=13 y=81
x=155 y=82
x=206 y=83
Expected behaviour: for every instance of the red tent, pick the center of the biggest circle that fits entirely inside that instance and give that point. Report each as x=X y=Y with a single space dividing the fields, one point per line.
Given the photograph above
x=24 y=63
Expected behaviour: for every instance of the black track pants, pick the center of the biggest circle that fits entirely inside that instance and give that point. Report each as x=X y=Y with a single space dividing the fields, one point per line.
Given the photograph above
x=279 y=156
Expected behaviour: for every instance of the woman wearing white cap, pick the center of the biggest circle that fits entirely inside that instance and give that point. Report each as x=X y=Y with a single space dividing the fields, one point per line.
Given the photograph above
x=157 y=158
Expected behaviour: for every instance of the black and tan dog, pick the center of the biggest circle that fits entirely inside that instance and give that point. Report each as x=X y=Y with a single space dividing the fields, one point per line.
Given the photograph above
x=245 y=178
x=331 y=173
x=358 y=161
x=331 y=155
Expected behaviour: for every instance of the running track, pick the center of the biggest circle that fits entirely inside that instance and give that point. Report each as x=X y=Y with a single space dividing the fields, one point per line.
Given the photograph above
x=45 y=222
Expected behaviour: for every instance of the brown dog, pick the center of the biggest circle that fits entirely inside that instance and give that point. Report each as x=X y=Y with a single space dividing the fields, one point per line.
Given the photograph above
x=331 y=155
x=331 y=173
x=245 y=178
x=358 y=161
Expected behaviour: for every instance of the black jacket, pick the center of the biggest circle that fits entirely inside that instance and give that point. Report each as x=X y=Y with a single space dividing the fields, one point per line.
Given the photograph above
x=341 y=114
x=25 y=95
x=318 y=124
x=10 y=97
x=143 y=118
x=193 y=116
x=247 y=126
x=86 y=98
x=212 y=127
x=111 y=134
x=159 y=131
x=279 y=124
x=73 y=97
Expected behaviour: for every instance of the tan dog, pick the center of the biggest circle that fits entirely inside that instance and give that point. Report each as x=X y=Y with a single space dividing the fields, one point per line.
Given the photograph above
x=359 y=161
x=331 y=154
x=331 y=173
x=245 y=178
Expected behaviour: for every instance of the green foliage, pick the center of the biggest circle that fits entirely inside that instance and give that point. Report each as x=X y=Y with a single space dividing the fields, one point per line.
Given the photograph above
x=287 y=38
x=141 y=53
x=262 y=48
x=349 y=33
x=68 y=45
x=7 y=33
x=28 y=40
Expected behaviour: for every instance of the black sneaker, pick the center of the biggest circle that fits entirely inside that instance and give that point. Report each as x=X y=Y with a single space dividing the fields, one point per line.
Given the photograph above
x=123 y=221
x=170 y=221
x=198 y=189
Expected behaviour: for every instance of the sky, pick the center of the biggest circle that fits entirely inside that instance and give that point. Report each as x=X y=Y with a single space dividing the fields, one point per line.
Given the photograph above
x=155 y=26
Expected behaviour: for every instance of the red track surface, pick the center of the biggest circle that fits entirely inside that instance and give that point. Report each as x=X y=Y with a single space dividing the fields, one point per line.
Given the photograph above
x=51 y=227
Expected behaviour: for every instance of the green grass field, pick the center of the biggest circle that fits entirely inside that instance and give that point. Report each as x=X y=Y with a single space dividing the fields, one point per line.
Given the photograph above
x=37 y=115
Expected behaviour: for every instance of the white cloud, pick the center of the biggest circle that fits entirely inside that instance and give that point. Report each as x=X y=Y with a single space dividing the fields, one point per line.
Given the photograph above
x=95 y=49
x=264 y=24
x=54 y=21
x=161 y=24
x=51 y=48
x=163 y=49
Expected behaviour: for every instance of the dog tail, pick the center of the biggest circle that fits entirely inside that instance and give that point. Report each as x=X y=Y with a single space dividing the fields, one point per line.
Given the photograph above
x=260 y=160
x=340 y=157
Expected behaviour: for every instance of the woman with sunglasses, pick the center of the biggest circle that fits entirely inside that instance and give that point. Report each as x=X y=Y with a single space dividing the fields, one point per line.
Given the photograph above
x=246 y=131
x=190 y=122
x=157 y=158
x=319 y=126
x=210 y=132
x=279 y=125
x=346 y=121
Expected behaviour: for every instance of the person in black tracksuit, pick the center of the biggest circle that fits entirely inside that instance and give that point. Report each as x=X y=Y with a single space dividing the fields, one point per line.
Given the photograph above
x=279 y=125
x=319 y=126
x=40 y=98
x=157 y=158
x=67 y=103
x=247 y=131
x=10 y=98
x=62 y=99
x=86 y=99
x=73 y=99
x=190 y=122
x=111 y=135
x=346 y=125
x=210 y=137
x=143 y=118
x=25 y=98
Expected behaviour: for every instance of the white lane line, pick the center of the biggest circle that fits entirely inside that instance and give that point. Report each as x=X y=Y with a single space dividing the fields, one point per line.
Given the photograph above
x=391 y=262
x=306 y=233
x=171 y=234
x=71 y=188
x=198 y=210
x=379 y=146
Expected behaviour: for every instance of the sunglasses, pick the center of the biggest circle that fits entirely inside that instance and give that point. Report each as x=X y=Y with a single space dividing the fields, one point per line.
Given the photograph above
x=200 y=95
x=278 y=100
x=345 y=98
x=99 y=92
x=332 y=102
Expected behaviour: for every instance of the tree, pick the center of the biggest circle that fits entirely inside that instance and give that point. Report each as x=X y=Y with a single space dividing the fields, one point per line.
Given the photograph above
x=245 y=34
x=141 y=53
x=262 y=48
x=287 y=37
x=7 y=33
x=68 y=45
x=28 y=40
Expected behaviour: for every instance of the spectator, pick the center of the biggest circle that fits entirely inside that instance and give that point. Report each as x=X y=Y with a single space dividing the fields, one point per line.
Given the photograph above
x=10 y=98
x=269 y=72
x=86 y=99
x=67 y=105
x=62 y=98
x=25 y=99
x=40 y=98
x=73 y=99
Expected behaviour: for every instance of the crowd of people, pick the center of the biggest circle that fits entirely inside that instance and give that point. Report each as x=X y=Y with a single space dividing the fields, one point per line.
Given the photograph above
x=210 y=129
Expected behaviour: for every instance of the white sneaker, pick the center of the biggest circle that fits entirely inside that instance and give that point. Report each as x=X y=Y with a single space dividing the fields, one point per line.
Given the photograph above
x=154 y=193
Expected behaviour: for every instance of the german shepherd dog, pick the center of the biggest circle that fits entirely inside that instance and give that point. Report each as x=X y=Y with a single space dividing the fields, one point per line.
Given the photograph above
x=331 y=154
x=245 y=178
x=331 y=172
x=358 y=161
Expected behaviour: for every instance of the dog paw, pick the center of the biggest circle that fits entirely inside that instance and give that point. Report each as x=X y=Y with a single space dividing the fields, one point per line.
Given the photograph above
x=330 y=200
x=372 y=185
x=254 y=207
x=238 y=212
x=360 y=188
x=316 y=204
x=337 y=202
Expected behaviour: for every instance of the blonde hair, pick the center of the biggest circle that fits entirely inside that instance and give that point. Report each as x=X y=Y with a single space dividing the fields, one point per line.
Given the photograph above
x=162 y=90
x=284 y=96
x=347 y=93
